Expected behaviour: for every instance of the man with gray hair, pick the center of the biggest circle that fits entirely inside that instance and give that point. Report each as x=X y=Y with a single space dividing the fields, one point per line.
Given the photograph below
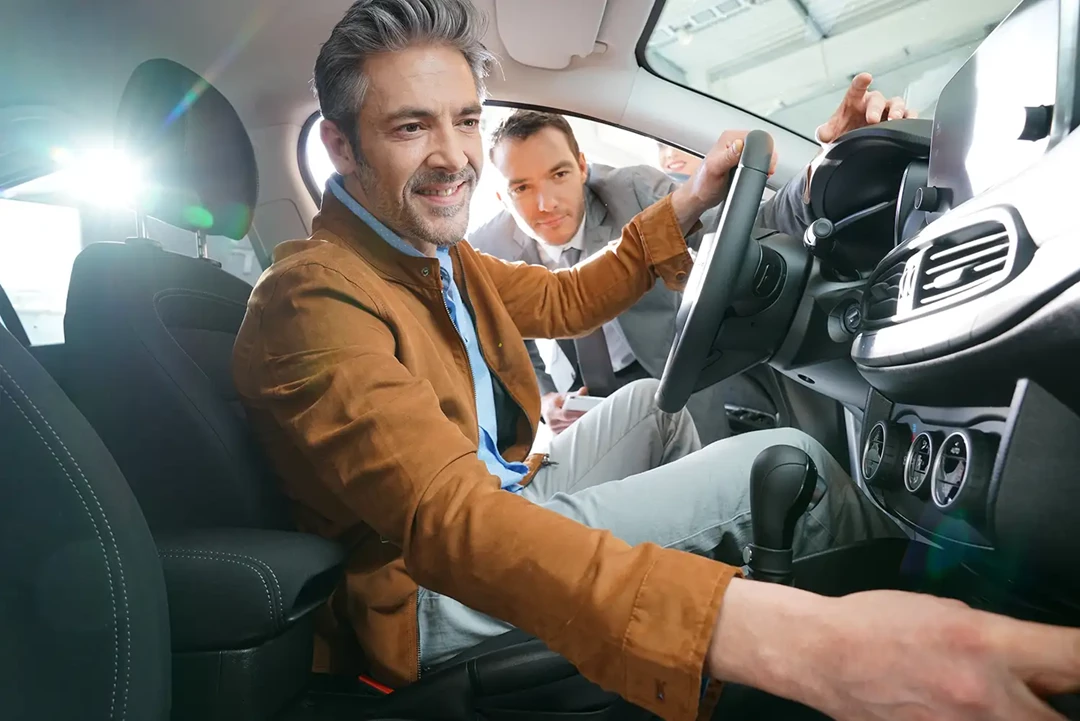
x=382 y=365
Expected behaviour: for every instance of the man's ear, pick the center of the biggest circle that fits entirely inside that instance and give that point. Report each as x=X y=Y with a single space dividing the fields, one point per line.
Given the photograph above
x=338 y=147
x=582 y=165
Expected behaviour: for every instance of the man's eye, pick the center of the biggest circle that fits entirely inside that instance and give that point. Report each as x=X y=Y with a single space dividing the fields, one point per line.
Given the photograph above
x=471 y=123
x=410 y=128
x=518 y=190
x=562 y=174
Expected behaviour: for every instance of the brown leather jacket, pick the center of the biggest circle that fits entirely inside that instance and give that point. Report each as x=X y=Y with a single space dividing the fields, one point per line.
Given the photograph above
x=359 y=388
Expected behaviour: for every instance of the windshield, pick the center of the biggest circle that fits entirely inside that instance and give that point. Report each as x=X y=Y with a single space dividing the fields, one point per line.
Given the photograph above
x=790 y=61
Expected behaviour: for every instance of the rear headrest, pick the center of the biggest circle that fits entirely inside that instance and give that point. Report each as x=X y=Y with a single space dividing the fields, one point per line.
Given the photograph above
x=196 y=157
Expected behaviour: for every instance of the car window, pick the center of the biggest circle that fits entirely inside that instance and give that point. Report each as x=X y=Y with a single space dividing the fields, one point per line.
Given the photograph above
x=39 y=242
x=600 y=142
x=790 y=62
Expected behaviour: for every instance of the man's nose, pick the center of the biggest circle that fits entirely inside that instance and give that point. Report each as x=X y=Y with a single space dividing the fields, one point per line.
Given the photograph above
x=545 y=202
x=449 y=152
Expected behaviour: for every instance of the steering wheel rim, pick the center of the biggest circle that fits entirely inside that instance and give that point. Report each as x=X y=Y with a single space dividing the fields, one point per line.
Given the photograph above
x=711 y=287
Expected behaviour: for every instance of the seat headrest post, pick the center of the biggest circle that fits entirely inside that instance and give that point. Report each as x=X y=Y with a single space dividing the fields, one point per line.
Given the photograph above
x=140 y=224
x=202 y=247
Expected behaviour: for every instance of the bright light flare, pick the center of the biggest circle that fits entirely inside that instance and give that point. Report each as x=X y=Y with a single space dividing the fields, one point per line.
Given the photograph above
x=104 y=177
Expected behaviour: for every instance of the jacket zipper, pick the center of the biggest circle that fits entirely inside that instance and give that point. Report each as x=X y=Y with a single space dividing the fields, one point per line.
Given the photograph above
x=472 y=384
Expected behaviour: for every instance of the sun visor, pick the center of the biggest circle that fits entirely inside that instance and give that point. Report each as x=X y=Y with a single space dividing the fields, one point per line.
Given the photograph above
x=549 y=34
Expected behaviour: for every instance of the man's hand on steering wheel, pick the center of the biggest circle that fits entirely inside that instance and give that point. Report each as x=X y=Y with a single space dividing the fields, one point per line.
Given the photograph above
x=708 y=185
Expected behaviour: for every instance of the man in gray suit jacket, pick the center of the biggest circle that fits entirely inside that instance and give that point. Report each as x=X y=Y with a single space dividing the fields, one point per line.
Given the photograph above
x=539 y=157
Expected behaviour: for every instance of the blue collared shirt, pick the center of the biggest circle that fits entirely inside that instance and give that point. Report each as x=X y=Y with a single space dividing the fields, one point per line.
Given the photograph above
x=510 y=474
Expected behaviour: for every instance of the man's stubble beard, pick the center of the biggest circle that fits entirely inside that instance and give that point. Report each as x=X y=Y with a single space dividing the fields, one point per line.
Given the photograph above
x=409 y=222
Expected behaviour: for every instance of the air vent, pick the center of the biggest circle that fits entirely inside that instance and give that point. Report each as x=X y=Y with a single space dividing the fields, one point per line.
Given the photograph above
x=954 y=267
x=947 y=264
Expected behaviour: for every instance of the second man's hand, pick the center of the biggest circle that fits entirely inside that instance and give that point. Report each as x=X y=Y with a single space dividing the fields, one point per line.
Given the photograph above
x=558 y=418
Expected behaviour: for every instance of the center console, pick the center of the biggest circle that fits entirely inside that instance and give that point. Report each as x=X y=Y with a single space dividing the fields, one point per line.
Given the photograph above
x=968 y=335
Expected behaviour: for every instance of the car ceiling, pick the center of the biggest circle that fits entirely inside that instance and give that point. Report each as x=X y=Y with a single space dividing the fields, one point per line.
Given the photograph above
x=77 y=56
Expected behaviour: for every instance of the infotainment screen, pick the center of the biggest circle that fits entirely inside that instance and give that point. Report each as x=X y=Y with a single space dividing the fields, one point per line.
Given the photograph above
x=993 y=118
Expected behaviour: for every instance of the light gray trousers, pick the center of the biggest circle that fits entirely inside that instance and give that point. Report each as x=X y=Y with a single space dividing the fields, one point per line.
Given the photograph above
x=627 y=467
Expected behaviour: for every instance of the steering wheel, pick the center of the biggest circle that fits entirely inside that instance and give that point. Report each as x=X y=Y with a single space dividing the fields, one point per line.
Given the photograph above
x=721 y=264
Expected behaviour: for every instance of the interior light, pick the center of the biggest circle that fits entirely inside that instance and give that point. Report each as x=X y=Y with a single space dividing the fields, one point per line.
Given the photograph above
x=684 y=37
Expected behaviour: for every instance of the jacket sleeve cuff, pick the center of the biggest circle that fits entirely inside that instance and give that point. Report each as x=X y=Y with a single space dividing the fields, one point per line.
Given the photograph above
x=679 y=599
x=665 y=246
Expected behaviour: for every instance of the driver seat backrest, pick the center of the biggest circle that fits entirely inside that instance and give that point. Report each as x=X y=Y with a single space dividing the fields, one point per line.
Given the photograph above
x=83 y=612
x=150 y=332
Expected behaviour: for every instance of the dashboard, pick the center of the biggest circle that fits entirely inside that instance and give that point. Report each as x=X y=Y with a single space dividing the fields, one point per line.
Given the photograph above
x=969 y=327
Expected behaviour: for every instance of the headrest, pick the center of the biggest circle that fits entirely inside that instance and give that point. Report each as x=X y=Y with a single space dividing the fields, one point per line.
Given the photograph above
x=197 y=161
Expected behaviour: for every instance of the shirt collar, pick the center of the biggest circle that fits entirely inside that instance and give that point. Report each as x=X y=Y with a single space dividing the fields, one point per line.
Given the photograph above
x=577 y=242
x=336 y=185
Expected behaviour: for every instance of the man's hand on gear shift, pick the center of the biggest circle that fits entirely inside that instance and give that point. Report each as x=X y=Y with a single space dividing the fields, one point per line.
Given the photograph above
x=891 y=656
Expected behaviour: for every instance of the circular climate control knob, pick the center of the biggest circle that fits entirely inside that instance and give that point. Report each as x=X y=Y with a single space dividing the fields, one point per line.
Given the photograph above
x=919 y=462
x=961 y=471
x=883 y=454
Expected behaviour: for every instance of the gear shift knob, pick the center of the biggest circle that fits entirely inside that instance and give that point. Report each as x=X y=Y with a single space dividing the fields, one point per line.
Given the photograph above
x=782 y=482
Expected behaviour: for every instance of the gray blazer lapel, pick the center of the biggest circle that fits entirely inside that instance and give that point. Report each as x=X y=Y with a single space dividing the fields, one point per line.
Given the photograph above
x=599 y=226
x=527 y=250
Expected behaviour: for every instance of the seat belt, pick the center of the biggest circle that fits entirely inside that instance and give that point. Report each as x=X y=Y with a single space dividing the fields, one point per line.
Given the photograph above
x=10 y=320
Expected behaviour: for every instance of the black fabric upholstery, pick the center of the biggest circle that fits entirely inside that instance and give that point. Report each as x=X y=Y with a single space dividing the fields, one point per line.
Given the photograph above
x=235 y=588
x=194 y=147
x=84 y=624
x=149 y=335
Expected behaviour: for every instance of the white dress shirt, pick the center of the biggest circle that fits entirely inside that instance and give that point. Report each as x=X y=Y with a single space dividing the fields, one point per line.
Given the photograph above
x=618 y=346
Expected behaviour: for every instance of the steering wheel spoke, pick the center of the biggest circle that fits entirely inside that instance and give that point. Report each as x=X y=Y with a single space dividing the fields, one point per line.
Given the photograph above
x=714 y=284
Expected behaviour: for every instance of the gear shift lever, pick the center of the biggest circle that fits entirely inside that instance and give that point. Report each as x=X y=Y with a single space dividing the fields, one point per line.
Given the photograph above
x=782 y=482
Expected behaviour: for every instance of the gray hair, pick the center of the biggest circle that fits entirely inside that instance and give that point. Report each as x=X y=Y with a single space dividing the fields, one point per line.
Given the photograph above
x=371 y=27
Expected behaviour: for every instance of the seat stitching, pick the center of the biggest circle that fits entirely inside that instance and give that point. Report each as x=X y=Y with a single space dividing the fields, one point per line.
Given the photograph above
x=255 y=570
x=257 y=561
x=112 y=542
x=194 y=293
x=93 y=521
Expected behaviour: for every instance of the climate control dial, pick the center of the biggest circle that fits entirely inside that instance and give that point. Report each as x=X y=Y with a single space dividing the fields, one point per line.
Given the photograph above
x=883 y=454
x=919 y=462
x=961 y=471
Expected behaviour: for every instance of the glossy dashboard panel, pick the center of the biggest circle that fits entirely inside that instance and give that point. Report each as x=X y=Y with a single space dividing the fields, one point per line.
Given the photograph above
x=993 y=117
